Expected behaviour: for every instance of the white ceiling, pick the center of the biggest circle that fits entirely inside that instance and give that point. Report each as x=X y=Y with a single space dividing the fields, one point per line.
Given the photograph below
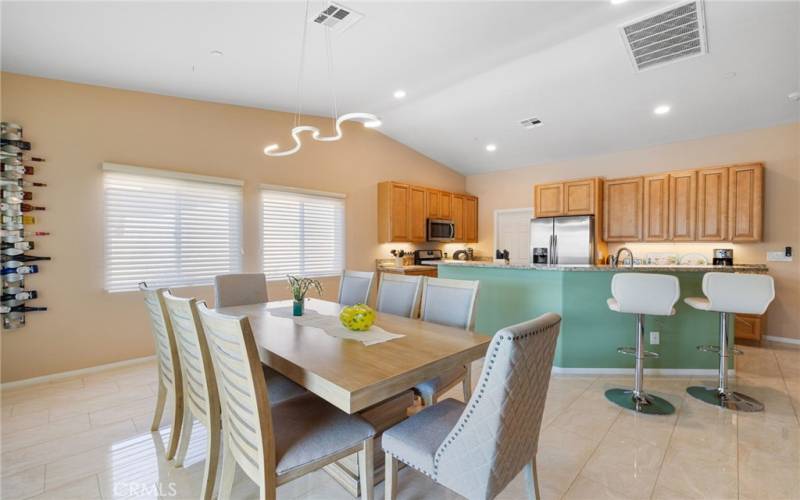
x=472 y=70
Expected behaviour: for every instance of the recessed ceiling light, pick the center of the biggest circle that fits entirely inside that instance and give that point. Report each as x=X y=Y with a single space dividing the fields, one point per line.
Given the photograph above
x=729 y=75
x=399 y=94
x=491 y=148
x=794 y=96
x=661 y=110
x=216 y=53
x=617 y=2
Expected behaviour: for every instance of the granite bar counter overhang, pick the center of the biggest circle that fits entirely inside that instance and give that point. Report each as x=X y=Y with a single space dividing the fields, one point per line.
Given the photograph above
x=590 y=332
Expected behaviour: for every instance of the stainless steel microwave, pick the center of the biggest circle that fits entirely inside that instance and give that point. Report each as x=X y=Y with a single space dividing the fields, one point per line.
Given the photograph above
x=441 y=230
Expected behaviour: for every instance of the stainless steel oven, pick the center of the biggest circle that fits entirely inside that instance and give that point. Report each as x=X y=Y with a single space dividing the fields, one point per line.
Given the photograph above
x=441 y=230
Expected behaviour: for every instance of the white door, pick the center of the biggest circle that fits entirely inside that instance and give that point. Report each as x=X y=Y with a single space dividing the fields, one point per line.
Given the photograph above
x=513 y=232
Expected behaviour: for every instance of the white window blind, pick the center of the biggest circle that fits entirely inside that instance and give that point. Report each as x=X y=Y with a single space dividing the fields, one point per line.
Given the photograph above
x=302 y=234
x=169 y=230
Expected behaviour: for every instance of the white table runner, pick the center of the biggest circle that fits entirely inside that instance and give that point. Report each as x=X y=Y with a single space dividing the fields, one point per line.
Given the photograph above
x=333 y=327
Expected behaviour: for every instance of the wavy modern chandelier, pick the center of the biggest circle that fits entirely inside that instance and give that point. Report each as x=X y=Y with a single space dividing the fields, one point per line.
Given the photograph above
x=367 y=119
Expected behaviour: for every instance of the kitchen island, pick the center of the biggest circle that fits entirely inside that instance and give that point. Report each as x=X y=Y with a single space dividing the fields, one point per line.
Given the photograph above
x=590 y=332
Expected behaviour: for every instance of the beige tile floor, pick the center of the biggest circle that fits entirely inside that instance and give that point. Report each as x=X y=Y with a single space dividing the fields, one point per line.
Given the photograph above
x=89 y=437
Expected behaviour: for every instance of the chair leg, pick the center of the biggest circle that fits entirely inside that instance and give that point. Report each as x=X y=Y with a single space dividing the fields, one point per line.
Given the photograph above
x=467 y=383
x=177 y=425
x=366 y=469
x=161 y=402
x=212 y=459
x=184 y=438
x=390 y=475
x=428 y=400
x=227 y=474
x=532 y=480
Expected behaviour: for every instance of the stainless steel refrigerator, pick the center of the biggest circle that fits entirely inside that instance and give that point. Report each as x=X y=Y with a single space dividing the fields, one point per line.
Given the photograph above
x=565 y=240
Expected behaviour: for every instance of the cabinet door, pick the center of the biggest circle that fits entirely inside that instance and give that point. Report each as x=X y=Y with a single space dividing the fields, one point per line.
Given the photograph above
x=622 y=212
x=579 y=197
x=445 y=205
x=682 y=205
x=746 y=202
x=656 y=208
x=432 y=202
x=548 y=200
x=712 y=204
x=470 y=219
x=398 y=222
x=457 y=214
x=416 y=213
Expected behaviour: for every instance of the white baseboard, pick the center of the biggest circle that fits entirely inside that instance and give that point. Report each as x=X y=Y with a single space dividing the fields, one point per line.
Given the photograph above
x=782 y=340
x=663 y=372
x=73 y=373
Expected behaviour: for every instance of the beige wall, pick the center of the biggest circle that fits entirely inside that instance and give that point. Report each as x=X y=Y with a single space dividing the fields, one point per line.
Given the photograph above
x=77 y=127
x=777 y=147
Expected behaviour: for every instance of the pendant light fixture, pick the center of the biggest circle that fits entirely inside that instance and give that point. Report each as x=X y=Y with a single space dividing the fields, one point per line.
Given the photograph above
x=367 y=119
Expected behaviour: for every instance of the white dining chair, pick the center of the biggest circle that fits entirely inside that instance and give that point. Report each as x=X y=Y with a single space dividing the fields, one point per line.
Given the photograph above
x=452 y=303
x=170 y=377
x=274 y=445
x=399 y=294
x=354 y=287
x=201 y=399
x=239 y=289
x=476 y=449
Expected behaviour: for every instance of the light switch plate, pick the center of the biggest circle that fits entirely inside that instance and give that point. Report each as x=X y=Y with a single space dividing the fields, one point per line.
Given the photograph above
x=778 y=257
x=655 y=338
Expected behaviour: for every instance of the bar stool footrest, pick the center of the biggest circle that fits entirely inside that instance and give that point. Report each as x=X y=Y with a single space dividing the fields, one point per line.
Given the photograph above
x=630 y=351
x=708 y=348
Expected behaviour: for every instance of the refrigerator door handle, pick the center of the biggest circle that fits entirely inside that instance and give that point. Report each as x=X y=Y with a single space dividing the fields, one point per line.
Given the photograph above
x=555 y=248
x=550 y=250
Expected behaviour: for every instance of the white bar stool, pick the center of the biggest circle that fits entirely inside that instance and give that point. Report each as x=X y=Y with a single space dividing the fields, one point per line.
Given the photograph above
x=728 y=293
x=640 y=294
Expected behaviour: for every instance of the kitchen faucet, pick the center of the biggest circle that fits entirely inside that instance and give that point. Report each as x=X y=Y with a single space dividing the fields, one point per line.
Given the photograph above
x=615 y=261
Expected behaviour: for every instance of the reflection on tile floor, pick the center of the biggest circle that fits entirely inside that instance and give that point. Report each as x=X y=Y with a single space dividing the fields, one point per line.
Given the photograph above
x=88 y=437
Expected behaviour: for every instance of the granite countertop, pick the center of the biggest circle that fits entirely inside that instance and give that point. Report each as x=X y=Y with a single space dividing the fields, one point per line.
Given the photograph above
x=406 y=267
x=741 y=268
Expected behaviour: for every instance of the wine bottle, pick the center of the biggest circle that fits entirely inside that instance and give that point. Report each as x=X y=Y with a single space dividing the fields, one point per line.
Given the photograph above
x=25 y=309
x=18 y=274
x=20 y=260
x=10 y=128
x=18 y=169
x=16 y=195
x=12 y=251
x=18 y=155
x=19 y=219
x=22 y=295
x=24 y=207
x=18 y=184
x=24 y=245
x=14 y=228
x=19 y=144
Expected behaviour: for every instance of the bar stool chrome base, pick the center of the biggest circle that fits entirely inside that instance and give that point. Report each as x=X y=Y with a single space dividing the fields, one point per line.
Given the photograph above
x=730 y=400
x=644 y=403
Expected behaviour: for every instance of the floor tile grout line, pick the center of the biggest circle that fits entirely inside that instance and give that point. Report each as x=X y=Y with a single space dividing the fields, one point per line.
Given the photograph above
x=785 y=385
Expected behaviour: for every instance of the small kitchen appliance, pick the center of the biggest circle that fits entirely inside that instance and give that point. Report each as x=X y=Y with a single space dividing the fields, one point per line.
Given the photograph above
x=723 y=257
x=441 y=230
x=423 y=256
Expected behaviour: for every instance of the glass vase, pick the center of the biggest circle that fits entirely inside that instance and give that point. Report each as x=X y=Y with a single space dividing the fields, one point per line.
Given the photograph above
x=298 y=307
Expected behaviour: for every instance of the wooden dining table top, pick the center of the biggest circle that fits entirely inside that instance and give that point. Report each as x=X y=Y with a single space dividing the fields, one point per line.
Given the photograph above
x=347 y=373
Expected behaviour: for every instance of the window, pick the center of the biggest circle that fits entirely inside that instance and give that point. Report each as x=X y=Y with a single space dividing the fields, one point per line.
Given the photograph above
x=302 y=233
x=169 y=229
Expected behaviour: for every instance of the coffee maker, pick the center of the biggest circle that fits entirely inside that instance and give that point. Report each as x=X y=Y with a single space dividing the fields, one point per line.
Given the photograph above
x=723 y=257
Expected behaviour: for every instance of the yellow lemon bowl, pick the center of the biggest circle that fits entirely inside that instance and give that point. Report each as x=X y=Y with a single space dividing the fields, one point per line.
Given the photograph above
x=357 y=318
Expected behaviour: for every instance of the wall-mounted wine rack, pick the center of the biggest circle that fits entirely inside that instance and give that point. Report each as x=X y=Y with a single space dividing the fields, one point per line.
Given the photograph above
x=17 y=205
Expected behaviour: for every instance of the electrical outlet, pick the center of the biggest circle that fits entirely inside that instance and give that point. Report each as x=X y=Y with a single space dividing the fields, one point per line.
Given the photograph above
x=785 y=256
x=655 y=338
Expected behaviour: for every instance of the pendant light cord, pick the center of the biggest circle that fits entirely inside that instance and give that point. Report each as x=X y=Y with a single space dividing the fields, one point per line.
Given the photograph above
x=329 y=50
x=302 y=66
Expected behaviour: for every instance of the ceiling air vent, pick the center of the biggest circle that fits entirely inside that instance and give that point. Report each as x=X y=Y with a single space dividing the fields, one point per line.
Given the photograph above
x=531 y=123
x=669 y=35
x=337 y=17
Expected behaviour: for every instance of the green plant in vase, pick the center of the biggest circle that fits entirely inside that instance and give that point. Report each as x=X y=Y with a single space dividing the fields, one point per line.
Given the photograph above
x=300 y=287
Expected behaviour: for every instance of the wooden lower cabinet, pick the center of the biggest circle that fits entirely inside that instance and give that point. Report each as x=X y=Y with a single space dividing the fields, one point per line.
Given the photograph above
x=622 y=209
x=750 y=327
x=655 y=218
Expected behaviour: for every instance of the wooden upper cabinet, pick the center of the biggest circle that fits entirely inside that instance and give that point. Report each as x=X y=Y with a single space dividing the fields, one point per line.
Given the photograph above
x=579 y=197
x=712 y=204
x=445 y=205
x=417 y=214
x=548 y=200
x=470 y=219
x=393 y=205
x=656 y=208
x=622 y=211
x=457 y=215
x=682 y=205
x=746 y=202
x=432 y=202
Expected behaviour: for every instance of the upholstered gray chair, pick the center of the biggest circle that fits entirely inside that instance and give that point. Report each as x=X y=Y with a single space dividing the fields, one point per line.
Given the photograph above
x=354 y=287
x=452 y=303
x=239 y=289
x=476 y=449
x=399 y=294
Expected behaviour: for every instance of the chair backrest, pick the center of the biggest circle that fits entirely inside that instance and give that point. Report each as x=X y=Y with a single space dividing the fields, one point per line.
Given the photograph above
x=354 y=287
x=169 y=365
x=200 y=385
x=399 y=294
x=739 y=293
x=449 y=302
x=246 y=417
x=645 y=293
x=498 y=433
x=239 y=289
